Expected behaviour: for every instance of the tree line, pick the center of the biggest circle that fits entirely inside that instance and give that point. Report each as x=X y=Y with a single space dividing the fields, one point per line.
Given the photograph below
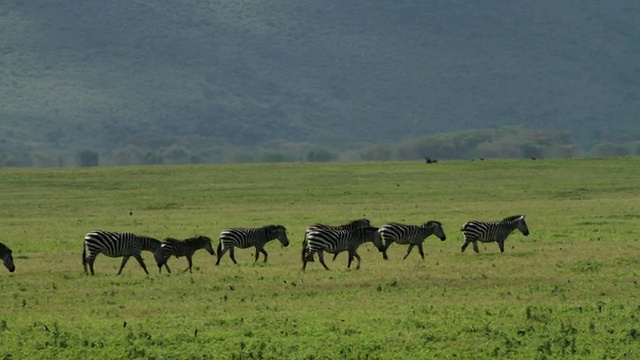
x=506 y=142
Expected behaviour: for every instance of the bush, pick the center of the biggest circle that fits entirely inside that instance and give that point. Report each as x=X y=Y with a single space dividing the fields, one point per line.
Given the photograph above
x=86 y=158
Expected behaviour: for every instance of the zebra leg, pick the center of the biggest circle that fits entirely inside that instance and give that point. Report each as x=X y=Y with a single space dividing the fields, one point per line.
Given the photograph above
x=305 y=258
x=90 y=262
x=141 y=262
x=166 y=267
x=321 y=258
x=221 y=252
x=124 y=262
x=475 y=247
x=464 y=246
x=232 y=255
x=384 y=250
x=335 y=256
x=501 y=245
x=190 y=264
x=420 y=250
x=265 y=254
x=409 y=251
x=355 y=255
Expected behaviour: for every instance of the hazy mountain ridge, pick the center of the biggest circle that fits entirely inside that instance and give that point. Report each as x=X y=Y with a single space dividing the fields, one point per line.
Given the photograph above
x=98 y=75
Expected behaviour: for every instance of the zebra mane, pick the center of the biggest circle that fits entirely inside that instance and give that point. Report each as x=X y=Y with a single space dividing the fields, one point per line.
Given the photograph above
x=432 y=222
x=271 y=228
x=170 y=240
x=4 y=249
x=359 y=222
x=512 y=218
x=200 y=240
x=147 y=238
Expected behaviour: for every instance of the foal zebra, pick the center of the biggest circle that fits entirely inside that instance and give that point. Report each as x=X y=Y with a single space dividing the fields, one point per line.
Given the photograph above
x=178 y=248
x=355 y=224
x=335 y=241
x=7 y=258
x=413 y=235
x=114 y=244
x=245 y=238
x=485 y=232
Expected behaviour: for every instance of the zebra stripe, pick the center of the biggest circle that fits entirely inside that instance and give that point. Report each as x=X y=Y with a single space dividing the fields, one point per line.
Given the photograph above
x=498 y=231
x=7 y=258
x=245 y=238
x=355 y=224
x=178 y=248
x=412 y=235
x=335 y=241
x=114 y=244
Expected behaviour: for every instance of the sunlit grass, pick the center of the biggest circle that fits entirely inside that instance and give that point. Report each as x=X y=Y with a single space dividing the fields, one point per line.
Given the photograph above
x=567 y=290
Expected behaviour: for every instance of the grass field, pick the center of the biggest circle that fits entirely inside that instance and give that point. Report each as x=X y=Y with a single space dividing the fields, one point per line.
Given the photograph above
x=568 y=290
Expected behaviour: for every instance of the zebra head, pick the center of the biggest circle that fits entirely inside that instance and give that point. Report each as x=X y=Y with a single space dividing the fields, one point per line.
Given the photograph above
x=517 y=222
x=278 y=232
x=7 y=259
x=435 y=227
x=204 y=242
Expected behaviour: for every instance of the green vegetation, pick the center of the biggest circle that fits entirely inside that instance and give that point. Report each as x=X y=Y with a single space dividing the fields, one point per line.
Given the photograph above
x=222 y=81
x=568 y=290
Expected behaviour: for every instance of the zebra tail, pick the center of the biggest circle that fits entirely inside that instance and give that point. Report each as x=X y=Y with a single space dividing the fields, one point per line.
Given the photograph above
x=84 y=255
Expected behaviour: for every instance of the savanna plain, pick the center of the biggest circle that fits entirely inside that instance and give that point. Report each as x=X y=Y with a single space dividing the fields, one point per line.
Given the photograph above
x=568 y=290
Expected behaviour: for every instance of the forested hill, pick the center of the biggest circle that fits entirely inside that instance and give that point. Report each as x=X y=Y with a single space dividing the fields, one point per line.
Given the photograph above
x=213 y=74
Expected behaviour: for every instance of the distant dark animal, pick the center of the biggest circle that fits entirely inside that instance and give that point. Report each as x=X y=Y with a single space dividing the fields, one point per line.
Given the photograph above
x=498 y=231
x=430 y=160
x=412 y=235
x=252 y=237
x=355 y=224
x=7 y=258
x=178 y=248
x=335 y=241
x=115 y=244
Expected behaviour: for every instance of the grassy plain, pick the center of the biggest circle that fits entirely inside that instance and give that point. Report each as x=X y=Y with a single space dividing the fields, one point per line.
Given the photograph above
x=568 y=290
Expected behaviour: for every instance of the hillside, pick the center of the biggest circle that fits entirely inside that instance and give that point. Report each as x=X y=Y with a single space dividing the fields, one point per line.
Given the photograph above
x=215 y=74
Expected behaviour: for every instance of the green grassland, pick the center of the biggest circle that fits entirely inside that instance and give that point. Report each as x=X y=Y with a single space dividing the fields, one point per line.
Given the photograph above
x=568 y=290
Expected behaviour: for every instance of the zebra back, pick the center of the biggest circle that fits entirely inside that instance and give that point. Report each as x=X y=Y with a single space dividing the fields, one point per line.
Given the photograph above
x=112 y=244
x=334 y=240
x=187 y=247
x=7 y=257
x=403 y=233
x=495 y=230
x=247 y=237
x=355 y=224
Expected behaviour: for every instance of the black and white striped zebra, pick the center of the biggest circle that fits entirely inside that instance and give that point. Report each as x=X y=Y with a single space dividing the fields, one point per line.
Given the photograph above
x=178 y=248
x=244 y=238
x=355 y=224
x=412 y=235
x=7 y=257
x=335 y=241
x=486 y=232
x=114 y=244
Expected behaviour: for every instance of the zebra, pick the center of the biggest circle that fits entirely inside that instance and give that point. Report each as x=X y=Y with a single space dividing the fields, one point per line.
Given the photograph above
x=413 y=235
x=115 y=244
x=475 y=231
x=178 y=248
x=7 y=258
x=355 y=224
x=245 y=238
x=335 y=241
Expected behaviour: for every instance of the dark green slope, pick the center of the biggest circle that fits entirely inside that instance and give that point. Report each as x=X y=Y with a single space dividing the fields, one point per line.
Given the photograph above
x=100 y=74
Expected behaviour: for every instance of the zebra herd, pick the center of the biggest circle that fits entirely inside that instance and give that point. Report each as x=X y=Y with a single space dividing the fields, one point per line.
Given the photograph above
x=318 y=239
